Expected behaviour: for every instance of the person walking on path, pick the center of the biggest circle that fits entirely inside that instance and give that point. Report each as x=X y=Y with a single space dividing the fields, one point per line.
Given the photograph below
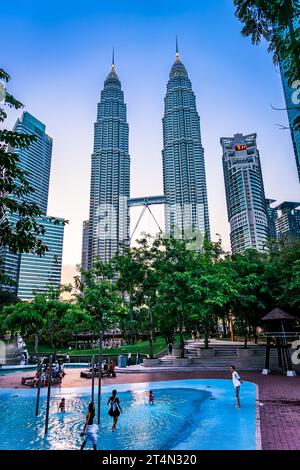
x=138 y=359
x=114 y=408
x=237 y=385
x=129 y=360
x=90 y=429
x=170 y=349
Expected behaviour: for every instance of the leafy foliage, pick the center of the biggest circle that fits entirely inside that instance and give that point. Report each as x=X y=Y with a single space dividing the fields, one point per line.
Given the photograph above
x=275 y=22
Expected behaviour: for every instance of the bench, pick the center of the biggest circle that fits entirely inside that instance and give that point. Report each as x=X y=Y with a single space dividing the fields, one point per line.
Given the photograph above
x=28 y=381
x=87 y=374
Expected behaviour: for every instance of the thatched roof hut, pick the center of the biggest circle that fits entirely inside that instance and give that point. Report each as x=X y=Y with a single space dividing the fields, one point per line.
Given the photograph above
x=278 y=314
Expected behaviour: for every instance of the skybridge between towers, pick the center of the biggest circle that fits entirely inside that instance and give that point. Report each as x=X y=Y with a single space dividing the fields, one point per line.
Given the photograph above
x=146 y=202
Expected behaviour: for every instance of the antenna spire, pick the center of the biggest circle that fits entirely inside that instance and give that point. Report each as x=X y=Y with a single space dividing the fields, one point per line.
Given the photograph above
x=113 y=58
x=177 y=50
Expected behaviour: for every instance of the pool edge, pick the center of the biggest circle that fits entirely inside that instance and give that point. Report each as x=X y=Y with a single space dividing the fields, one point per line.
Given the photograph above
x=258 y=443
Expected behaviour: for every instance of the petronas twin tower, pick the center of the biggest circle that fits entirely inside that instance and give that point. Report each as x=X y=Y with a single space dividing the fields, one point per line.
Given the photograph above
x=185 y=193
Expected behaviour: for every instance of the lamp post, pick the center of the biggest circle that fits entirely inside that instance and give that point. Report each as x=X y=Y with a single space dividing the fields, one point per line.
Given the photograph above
x=48 y=395
x=231 y=327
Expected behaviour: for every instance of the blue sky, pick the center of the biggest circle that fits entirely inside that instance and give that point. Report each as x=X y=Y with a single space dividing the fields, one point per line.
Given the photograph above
x=59 y=53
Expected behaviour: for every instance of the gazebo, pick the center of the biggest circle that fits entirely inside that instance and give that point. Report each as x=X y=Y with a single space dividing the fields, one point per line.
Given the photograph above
x=277 y=337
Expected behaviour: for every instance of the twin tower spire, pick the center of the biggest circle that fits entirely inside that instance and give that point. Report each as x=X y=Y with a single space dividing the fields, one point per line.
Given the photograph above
x=184 y=184
x=113 y=65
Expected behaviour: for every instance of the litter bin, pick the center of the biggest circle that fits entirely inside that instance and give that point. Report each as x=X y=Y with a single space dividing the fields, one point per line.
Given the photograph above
x=122 y=361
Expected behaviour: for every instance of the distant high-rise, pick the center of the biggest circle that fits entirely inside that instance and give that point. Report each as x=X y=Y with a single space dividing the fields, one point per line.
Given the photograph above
x=110 y=174
x=36 y=159
x=39 y=273
x=293 y=106
x=272 y=216
x=85 y=245
x=245 y=195
x=30 y=272
x=288 y=221
x=183 y=157
x=293 y=111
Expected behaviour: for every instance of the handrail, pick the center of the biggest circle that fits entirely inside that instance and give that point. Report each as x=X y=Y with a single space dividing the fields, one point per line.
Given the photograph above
x=280 y=334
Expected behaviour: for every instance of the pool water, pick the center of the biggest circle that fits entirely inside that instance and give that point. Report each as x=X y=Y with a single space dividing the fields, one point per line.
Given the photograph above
x=188 y=414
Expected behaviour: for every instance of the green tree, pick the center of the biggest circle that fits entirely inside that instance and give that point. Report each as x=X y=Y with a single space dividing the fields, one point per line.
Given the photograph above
x=253 y=295
x=138 y=278
x=212 y=288
x=7 y=298
x=273 y=21
x=99 y=296
x=284 y=274
x=23 y=317
x=174 y=267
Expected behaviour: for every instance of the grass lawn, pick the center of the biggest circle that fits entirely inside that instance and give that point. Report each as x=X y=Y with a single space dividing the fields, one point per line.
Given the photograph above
x=142 y=347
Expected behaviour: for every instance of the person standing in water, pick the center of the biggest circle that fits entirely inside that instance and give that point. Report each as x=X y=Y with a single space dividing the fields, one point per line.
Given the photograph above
x=62 y=405
x=90 y=429
x=151 y=397
x=237 y=385
x=114 y=408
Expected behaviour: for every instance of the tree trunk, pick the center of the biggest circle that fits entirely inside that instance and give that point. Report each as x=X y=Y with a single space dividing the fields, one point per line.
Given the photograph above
x=150 y=335
x=100 y=369
x=205 y=335
x=245 y=334
x=36 y=343
x=224 y=326
x=255 y=334
x=181 y=336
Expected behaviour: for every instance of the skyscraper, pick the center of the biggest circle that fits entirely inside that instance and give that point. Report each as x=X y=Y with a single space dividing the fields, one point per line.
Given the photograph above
x=39 y=273
x=30 y=272
x=184 y=177
x=110 y=174
x=288 y=221
x=272 y=216
x=36 y=159
x=293 y=110
x=85 y=245
x=292 y=98
x=245 y=195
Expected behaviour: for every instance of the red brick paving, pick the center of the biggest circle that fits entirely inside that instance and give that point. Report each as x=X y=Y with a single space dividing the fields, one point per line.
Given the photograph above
x=280 y=396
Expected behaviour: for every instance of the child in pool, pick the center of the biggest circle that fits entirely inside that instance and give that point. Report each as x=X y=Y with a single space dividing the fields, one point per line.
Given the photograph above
x=62 y=405
x=151 y=398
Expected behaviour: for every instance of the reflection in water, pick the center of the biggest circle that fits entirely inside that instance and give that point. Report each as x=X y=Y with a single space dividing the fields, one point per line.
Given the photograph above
x=141 y=426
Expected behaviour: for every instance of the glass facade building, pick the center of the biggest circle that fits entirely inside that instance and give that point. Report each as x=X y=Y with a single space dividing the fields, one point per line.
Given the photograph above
x=39 y=273
x=27 y=271
x=184 y=176
x=292 y=100
x=245 y=195
x=110 y=175
x=272 y=215
x=288 y=220
x=36 y=159
x=85 y=245
x=293 y=111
